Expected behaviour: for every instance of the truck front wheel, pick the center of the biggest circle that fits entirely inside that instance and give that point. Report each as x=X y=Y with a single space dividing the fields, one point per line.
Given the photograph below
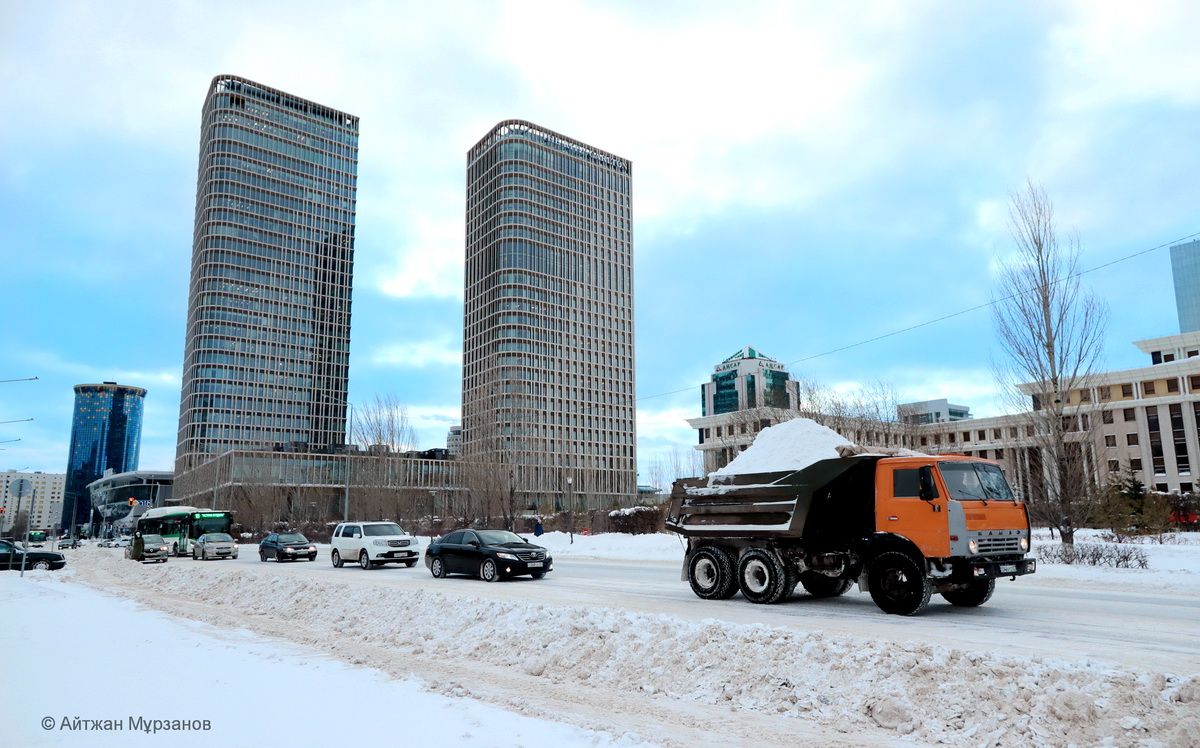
x=711 y=573
x=972 y=595
x=762 y=576
x=819 y=585
x=898 y=584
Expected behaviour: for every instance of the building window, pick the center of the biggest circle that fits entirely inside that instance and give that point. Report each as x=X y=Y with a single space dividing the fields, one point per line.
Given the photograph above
x=1172 y=385
x=1114 y=466
x=1029 y=430
x=924 y=441
x=983 y=453
x=1182 y=462
x=951 y=437
x=1193 y=354
x=1147 y=388
x=995 y=433
x=1161 y=487
x=1129 y=414
x=966 y=436
x=1156 y=445
x=1110 y=440
x=1195 y=382
x=1168 y=358
x=1156 y=357
x=1106 y=416
x=999 y=454
x=1185 y=487
x=1135 y=464
x=1127 y=390
x=1105 y=393
x=1012 y=432
x=1131 y=439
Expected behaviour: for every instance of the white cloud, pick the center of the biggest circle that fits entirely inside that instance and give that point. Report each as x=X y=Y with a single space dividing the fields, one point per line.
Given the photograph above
x=48 y=361
x=419 y=354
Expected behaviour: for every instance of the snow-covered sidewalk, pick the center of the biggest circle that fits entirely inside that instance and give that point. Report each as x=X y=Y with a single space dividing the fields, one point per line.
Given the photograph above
x=75 y=656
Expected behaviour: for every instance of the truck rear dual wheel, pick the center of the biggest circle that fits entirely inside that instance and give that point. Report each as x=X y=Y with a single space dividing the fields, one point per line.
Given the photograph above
x=712 y=573
x=898 y=584
x=763 y=577
x=973 y=594
x=819 y=585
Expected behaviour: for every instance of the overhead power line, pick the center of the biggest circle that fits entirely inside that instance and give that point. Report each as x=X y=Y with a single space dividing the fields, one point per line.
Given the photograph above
x=952 y=315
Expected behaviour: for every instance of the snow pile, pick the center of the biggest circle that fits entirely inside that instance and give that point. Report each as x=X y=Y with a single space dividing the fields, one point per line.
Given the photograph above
x=843 y=683
x=614 y=545
x=226 y=672
x=791 y=445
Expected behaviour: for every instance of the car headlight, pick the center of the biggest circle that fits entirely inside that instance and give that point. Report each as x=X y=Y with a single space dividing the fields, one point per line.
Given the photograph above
x=382 y=543
x=973 y=546
x=1024 y=544
x=507 y=556
x=162 y=548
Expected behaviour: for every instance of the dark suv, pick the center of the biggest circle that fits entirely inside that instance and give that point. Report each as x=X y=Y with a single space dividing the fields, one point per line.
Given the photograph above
x=491 y=555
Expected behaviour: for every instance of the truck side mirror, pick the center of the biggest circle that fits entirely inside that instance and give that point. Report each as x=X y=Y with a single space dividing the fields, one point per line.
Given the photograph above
x=927 y=491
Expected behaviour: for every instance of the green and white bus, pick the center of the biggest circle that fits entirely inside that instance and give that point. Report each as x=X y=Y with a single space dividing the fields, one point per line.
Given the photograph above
x=180 y=525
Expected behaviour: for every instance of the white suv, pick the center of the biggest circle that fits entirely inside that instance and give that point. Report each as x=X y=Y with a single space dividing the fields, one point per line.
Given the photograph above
x=372 y=544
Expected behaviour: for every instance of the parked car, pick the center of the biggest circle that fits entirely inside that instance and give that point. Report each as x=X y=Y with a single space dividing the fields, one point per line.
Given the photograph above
x=154 y=548
x=373 y=544
x=286 y=546
x=214 y=545
x=11 y=553
x=491 y=555
x=68 y=543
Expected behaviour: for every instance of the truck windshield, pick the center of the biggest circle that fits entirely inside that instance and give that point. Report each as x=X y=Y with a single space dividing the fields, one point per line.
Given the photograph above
x=975 y=481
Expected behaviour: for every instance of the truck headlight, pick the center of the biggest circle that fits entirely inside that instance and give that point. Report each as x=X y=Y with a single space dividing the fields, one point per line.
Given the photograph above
x=973 y=547
x=1024 y=544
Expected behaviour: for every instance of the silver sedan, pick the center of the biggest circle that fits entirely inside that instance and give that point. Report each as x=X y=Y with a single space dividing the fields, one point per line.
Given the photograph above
x=214 y=545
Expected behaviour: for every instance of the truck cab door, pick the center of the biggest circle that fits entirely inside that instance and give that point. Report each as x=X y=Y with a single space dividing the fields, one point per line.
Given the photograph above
x=900 y=508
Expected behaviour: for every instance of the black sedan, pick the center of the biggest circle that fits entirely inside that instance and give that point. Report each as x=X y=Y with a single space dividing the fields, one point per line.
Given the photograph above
x=286 y=546
x=11 y=553
x=491 y=555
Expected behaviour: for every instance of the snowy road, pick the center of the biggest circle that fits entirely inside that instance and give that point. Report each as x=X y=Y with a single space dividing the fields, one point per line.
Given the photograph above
x=1032 y=616
x=625 y=647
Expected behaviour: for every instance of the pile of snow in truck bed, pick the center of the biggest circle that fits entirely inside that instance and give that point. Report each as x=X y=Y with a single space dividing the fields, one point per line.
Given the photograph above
x=791 y=445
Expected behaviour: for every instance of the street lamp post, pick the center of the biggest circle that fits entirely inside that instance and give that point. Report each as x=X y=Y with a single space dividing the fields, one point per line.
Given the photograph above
x=570 y=511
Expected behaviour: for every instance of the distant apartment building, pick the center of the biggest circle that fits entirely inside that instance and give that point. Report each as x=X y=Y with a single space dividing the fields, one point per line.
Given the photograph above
x=548 y=360
x=933 y=411
x=454 y=441
x=266 y=349
x=1146 y=419
x=43 y=506
x=106 y=434
x=747 y=392
x=1185 y=270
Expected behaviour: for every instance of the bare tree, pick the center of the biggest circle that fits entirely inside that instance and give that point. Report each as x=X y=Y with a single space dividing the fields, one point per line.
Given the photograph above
x=1052 y=333
x=383 y=422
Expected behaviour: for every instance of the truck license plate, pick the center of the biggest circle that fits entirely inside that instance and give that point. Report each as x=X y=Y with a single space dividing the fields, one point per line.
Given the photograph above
x=1008 y=568
x=534 y=564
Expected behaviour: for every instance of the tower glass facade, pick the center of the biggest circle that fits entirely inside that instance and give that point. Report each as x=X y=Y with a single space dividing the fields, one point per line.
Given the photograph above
x=106 y=433
x=1185 y=269
x=266 y=352
x=548 y=361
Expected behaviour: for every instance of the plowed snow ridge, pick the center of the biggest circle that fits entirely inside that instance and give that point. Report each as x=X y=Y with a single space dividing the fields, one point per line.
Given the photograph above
x=923 y=692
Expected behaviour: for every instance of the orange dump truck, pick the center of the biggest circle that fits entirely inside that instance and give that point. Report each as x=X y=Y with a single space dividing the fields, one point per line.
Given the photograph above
x=902 y=527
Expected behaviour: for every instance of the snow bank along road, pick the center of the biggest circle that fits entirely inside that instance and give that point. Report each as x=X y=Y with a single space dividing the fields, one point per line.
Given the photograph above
x=608 y=645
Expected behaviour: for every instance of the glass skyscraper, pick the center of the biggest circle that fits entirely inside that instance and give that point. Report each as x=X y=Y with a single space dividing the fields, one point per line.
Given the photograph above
x=1185 y=268
x=266 y=352
x=106 y=433
x=548 y=356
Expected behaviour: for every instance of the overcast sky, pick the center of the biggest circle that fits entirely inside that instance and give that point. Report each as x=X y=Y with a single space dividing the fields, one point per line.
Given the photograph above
x=804 y=177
